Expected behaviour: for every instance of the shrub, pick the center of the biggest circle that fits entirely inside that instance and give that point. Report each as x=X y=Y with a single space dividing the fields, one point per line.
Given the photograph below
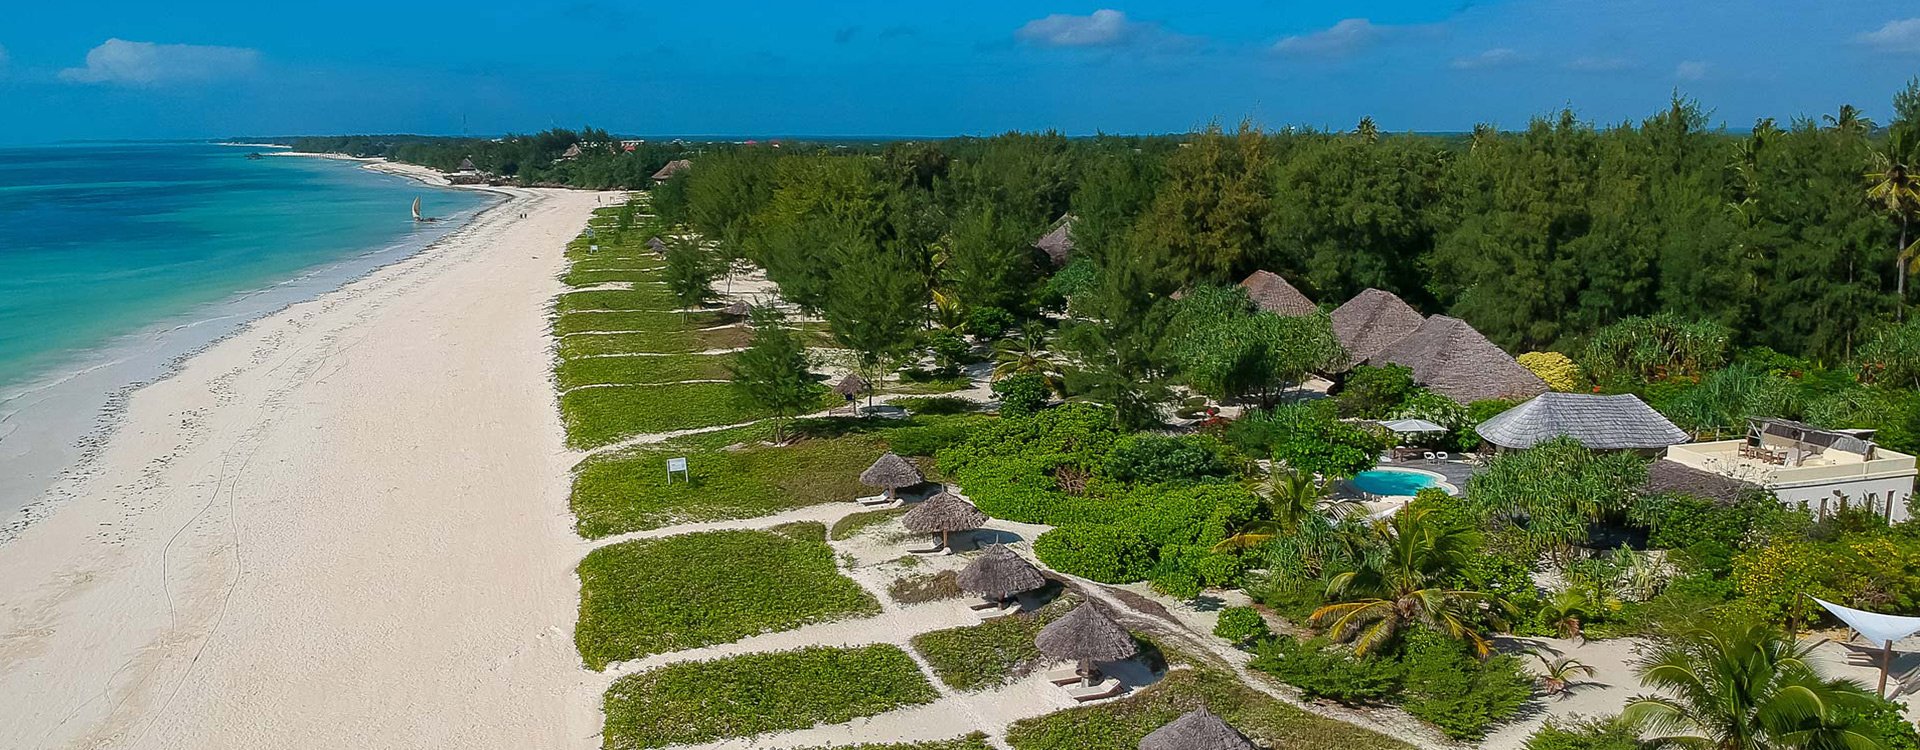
x=927 y=587
x=937 y=405
x=1108 y=554
x=1558 y=370
x=746 y=695
x=950 y=352
x=1589 y=734
x=989 y=322
x=1154 y=459
x=1322 y=670
x=1021 y=395
x=1448 y=688
x=1308 y=437
x=1120 y=724
x=851 y=524
x=992 y=653
x=1241 y=625
x=1375 y=392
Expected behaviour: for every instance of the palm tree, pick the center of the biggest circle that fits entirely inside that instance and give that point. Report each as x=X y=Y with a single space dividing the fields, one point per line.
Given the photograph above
x=1288 y=499
x=1557 y=673
x=1027 y=353
x=1732 y=685
x=1402 y=586
x=1568 y=607
x=1368 y=132
x=1893 y=184
x=1849 y=121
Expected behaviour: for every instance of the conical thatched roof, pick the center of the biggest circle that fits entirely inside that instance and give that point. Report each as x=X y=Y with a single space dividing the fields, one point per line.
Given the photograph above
x=737 y=308
x=1372 y=321
x=672 y=168
x=1199 y=729
x=466 y=165
x=1452 y=359
x=891 y=472
x=1086 y=634
x=1620 y=422
x=1273 y=294
x=656 y=245
x=1000 y=573
x=943 y=512
x=1058 y=243
x=1665 y=476
x=852 y=385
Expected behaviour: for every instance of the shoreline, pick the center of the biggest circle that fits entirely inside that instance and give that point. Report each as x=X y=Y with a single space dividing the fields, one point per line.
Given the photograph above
x=67 y=412
x=356 y=501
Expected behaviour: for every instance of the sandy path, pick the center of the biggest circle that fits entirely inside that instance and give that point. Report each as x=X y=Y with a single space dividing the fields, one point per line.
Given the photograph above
x=344 y=527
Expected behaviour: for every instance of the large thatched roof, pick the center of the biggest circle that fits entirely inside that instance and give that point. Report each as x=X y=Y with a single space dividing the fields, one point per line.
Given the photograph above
x=891 y=472
x=672 y=168
x=1058 y=243
x=466 y=165
x=852 y=385
x=1086 y=634
x=1452 y=359
x=1372 y=321
x=1273 y=294
x=1198 y=729
x=1665 y=476
x=1617 y=422
x=1000 y=573
x=943 y=512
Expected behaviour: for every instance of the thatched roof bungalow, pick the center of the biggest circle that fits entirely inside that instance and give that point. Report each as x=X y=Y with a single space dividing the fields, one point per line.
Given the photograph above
x=1198 y=729
x=999 y=573
x=1372 y=321
x=1273 y=294
x=1057 y=243
x=1618 y=422
x=1450 y=358
x=672 y=168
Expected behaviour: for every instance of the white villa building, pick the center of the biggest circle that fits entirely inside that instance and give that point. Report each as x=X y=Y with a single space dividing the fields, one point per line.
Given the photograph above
x=1820 y=470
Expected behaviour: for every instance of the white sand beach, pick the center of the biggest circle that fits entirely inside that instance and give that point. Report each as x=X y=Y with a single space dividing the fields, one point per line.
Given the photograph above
x=345 y=526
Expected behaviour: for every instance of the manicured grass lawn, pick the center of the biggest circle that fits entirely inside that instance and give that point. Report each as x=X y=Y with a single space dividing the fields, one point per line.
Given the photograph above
x=574 y=373
x=636 y=320
x=646 y=297
x=975 y=741
x=627 y=491
x=611 y=273
x=626 y=261
x=652 y=596
x=602 y=416
x=1120 y=725
x=991 y=654
x=654 y=342
x=759 y=693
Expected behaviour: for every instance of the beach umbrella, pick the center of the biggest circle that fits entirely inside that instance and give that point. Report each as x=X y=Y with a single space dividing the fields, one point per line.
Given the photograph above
x=1086 y=636
x=852 y=386
x=944 y=513
x=999 y=574
x=1411 y=426
x=737 y=309
x=891 y=473
x=1198 y=729
x=654 y=244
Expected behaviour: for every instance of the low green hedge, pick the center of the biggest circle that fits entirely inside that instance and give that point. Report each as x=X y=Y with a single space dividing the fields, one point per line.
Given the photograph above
x=1119 y=725
x=754 y=694
x=1108 y=554
x=574 y=373
x=645 y=297
x=600 y=416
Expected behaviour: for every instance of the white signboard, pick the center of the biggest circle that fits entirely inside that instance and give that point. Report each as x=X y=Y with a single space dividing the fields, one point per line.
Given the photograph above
x=679 y=465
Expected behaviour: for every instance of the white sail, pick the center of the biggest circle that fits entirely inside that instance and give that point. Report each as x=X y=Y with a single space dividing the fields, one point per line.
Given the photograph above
x=416 y=209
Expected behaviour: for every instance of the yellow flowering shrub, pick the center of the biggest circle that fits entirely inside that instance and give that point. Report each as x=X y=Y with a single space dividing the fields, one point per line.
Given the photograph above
x=1560 y=372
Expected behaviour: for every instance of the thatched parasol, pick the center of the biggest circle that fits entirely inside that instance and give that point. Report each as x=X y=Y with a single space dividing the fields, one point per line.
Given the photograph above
x=852 y=385
x=890 y=473
x=1087 y=636
x=656 y=245
x=944 y=513
x=999 y=574
x=1198 y=729
x=737 y=309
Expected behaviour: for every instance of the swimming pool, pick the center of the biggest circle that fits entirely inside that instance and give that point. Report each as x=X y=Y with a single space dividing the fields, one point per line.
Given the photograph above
x=1400 y=482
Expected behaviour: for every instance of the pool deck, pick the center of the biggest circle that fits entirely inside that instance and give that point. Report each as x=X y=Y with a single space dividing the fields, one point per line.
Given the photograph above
x=1456 y=472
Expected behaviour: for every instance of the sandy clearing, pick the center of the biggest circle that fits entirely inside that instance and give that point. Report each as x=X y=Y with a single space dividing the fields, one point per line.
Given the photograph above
x=345 y=526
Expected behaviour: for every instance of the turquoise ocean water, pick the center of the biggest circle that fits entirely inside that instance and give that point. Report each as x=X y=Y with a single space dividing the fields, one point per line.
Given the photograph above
x=116 y=259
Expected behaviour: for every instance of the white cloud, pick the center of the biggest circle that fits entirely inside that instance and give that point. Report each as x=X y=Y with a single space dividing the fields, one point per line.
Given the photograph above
x=1896 y=36
x=1498 y=57
x=1102 y=28
x=1600 y=64
x=1339 y=39
x=117 y=61
x=1690 y=70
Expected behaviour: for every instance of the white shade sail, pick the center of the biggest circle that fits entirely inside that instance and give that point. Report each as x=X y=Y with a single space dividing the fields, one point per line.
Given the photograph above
x=1411 y=425
x=1881 y=629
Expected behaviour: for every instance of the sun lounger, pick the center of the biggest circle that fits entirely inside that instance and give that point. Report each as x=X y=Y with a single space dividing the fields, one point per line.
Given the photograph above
x=1104 y=689
x=985 y=603
x=875 y=500
x=930 y=547
x=998 y=612
x=1428 y=456
x=1442 y=455
x=1063 y=675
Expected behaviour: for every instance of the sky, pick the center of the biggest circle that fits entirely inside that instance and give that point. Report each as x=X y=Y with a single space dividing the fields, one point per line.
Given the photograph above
x=200 y=69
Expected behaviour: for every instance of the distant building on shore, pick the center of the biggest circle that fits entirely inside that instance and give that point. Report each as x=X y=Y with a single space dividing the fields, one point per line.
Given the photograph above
x=1822 y=471
x=468 y=174
x=672 y=168
x=1058 y=241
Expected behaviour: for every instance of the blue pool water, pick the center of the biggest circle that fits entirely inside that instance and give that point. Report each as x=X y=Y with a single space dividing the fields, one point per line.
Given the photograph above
x=1393 y=482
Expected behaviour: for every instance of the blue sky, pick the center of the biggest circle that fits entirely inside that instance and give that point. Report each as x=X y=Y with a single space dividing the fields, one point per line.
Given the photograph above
x=191 y=68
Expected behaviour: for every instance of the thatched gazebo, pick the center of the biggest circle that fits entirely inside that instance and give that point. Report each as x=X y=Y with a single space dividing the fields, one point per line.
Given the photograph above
x=891 y=473
x=944 y=513
x=672 y=168
x=999 y=574
x=1085 y=635
x=1198 y=729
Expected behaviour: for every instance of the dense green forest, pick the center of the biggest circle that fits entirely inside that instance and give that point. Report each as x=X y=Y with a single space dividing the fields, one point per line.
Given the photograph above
x=526 y=159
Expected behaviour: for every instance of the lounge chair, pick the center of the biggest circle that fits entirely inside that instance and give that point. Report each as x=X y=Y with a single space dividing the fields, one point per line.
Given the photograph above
x=875 y=500
x=1428 y=456
x=1066 y=675
x=998 y=612
x=1442 y=455
x=1104 y=689
x=930 y=547
x=986 y=603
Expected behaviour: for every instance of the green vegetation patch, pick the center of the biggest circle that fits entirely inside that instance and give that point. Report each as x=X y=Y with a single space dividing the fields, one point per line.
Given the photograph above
x=653 y=342
x=652 y=596
x=754 y=694
x=602 y=416
x=925 y=587
x=1120 y=725
x=991 y=654
x=851 y=524
x=610 y=274
x=646 y=297
x=628 y=490
x=574 y=373
x=636 y=320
